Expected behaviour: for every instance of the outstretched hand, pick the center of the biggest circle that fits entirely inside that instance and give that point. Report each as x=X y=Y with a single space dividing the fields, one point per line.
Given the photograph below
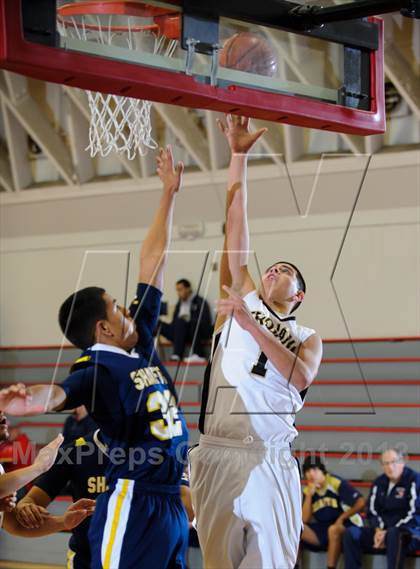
x=170 y=175
x=78 y=512
x=238 y=135
x=235 y=306
x=47 y=455
x=14 y=399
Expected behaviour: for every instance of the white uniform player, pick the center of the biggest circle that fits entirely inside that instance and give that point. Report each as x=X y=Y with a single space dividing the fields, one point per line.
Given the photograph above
x=248 y=398
x=245 y=482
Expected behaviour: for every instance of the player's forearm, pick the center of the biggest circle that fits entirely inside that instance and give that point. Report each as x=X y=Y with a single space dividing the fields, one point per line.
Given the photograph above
x=13 y=481
x=154 y=250
x=225 y=277
x=307 y=509
x=236 y=172
x=52 y=524
x=237 y=231
x=357 y=507
x=33 y=400
x=286 y=362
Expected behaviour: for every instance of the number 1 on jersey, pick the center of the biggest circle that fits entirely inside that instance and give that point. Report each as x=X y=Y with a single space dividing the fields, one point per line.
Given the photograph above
x=260 y=367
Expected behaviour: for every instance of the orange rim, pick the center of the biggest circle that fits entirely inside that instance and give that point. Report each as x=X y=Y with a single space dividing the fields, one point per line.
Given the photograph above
x=117 y=7
x=166 y=22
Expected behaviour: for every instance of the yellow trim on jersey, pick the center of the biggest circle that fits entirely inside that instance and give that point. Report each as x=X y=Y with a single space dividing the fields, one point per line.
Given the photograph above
x=83 y=359
x=80 y=441
x=70 y=559
x=334 y=483
x=121 y=496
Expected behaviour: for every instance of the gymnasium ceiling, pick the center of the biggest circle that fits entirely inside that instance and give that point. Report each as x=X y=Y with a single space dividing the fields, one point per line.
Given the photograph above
x=43 y=132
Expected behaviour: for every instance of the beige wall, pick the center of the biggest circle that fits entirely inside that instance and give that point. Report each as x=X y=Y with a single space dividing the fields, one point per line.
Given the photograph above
x=377 y=279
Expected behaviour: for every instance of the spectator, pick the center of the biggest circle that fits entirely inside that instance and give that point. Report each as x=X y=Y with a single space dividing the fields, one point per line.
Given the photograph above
x=191 y=323
x=393 y=516
x=79 y=424
x=333 y=504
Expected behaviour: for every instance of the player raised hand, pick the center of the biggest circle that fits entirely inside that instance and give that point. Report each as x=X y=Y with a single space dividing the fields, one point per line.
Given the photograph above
x=14 y=399
x=234 y=305
x=47 y=455
x=170 y=174
x=238 y=135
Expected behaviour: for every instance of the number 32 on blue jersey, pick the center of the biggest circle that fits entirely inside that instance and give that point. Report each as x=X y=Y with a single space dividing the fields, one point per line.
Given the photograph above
x=169 y=426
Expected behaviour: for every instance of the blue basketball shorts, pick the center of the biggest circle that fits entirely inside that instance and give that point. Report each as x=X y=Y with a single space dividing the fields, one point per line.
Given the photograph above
x=137 y=525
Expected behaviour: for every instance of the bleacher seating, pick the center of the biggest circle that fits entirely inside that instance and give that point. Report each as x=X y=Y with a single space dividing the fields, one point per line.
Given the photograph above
x=366 y=398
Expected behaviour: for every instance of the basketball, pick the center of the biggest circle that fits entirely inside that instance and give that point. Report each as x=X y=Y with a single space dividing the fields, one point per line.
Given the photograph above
x=249 y=52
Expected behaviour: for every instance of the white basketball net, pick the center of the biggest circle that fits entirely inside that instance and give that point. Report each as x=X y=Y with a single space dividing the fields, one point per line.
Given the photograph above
x=117 y=123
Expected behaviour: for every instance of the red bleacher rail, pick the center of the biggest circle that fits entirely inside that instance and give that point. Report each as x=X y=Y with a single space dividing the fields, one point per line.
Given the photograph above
x=320 y=382
x=330 y=454
x=324 y=428
x=309 y=428
x=325 y=341
x=348 y=456
x=38 y=424
x=335 y=404
x=189 y=382
x=365 y=340
x=366 y=382
x=372 y=405
x=184 y=364
x=52 y=425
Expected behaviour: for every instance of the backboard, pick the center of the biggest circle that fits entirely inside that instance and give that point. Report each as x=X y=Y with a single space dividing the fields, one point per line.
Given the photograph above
x=329 y=78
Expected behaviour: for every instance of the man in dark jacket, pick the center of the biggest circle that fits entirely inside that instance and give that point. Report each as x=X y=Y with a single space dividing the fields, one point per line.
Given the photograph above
x=393 y=516
x=191 y=323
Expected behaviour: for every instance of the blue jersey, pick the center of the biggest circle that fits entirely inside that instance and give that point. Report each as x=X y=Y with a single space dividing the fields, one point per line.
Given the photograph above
x=335 y=497
x=81 y=465
x=132 y=399
x=397 y=505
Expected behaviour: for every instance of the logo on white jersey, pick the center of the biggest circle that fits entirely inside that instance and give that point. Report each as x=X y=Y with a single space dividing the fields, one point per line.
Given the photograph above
x=278 y=329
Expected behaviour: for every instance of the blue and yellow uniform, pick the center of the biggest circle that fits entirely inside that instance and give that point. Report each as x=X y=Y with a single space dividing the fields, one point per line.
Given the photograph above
x=140 y=520
x=394 y=508
x=329 y=502
x=80 y=465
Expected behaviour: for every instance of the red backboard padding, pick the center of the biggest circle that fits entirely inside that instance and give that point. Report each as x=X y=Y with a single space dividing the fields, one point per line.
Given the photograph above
x=133 y=80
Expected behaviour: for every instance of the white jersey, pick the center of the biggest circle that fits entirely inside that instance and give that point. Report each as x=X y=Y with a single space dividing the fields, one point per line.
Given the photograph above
x=245 y=397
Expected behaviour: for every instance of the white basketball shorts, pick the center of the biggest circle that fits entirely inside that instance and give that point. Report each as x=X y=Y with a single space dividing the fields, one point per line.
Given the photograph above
x=248 y=503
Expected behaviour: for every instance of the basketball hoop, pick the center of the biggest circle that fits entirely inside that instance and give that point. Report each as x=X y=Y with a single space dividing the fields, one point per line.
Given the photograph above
x=118 y=123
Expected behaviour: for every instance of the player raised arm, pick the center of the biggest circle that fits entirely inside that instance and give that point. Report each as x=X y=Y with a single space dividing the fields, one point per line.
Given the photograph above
x=154 y=251
x=12 y=481
x=22 y=401
x=240 y=141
